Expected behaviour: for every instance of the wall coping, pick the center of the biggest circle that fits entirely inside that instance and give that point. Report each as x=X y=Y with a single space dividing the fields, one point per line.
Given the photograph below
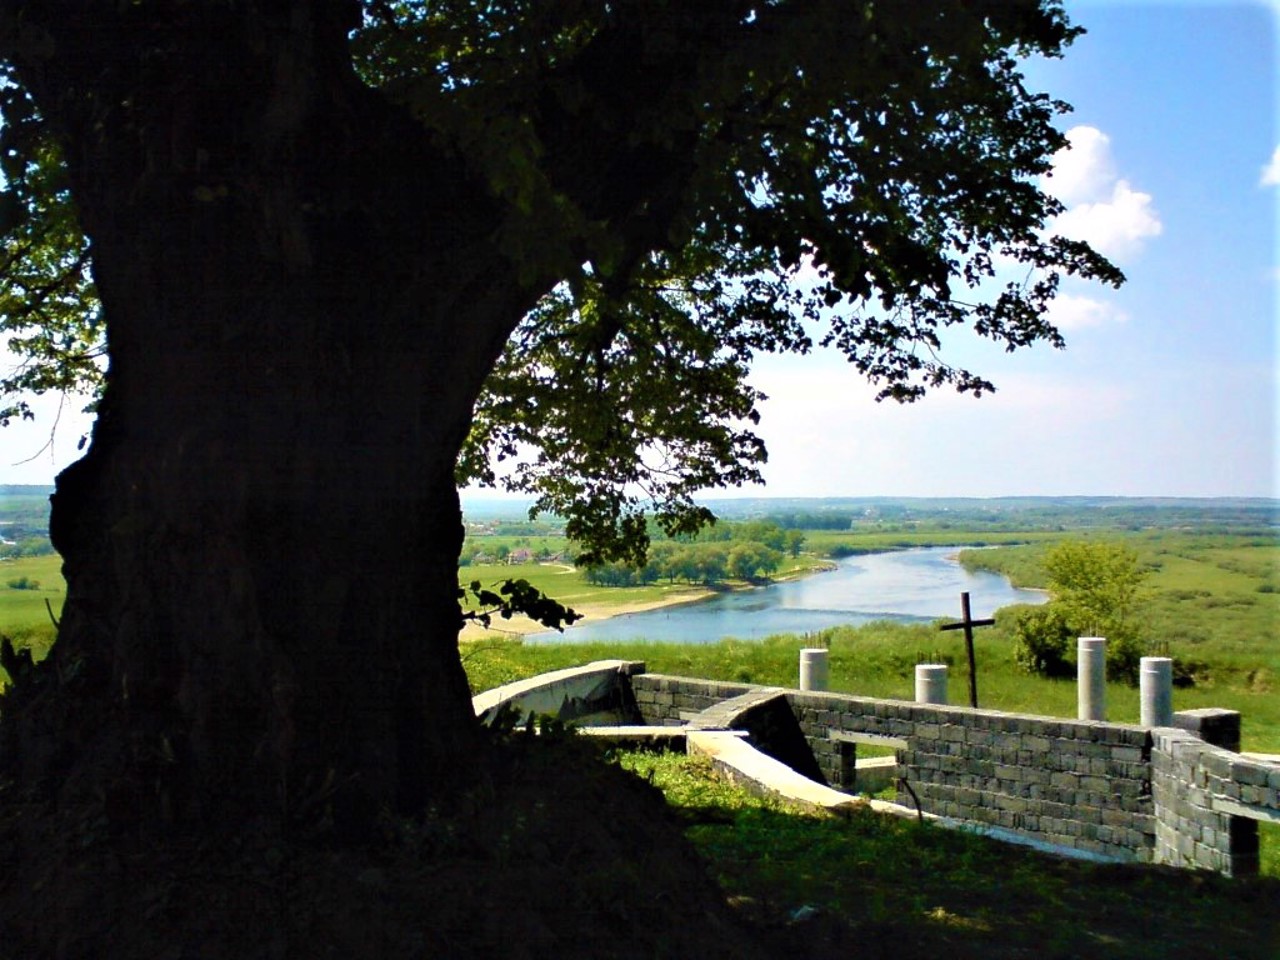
x=546 y=692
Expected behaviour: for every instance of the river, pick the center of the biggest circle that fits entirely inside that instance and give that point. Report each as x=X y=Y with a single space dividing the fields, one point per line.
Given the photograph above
x=913 y=586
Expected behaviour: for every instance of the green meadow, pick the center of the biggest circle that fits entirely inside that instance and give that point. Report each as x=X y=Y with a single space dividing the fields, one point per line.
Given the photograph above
x=25 y=609
x=1212 y=599
x=1209 y=601
x=878 y=660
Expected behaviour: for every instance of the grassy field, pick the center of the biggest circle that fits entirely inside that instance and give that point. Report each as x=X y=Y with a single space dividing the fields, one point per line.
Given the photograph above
x=24 y=613
x=569 y=586
x=1210 y=600
x=876 y=660
x=878 y=886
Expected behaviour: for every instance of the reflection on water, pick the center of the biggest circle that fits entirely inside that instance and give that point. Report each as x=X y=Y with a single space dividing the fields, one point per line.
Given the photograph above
x=910 y=585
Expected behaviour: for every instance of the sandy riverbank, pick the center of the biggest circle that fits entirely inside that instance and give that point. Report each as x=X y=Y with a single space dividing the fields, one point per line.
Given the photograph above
x=522 y=626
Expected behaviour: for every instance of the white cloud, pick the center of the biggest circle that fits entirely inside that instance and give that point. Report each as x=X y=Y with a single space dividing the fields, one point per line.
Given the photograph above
x=1271 y=172
x=1116 y=226
x=1102 y=209
x=1083 y=170
x=1069 y=312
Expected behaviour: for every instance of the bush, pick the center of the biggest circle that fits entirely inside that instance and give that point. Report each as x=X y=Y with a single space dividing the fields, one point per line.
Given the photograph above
x=23 y=583
x=1042 y=638
x=1125 y=650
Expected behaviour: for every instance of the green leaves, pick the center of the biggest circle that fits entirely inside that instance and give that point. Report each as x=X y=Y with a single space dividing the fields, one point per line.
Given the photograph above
x=677 y=189
x=49 y=313
x=854 y=180
x=1097 y=582
x=1098 y=586
x=514 y=597
x=612 y=407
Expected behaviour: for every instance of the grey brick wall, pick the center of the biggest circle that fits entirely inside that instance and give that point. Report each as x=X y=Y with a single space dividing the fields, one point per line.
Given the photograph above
x=1208 y=801
x=1084 y=785
x=666 y=701
x=1119 y=790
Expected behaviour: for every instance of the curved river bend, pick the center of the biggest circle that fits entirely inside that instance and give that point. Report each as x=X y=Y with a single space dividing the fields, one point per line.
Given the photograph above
x=913 y=586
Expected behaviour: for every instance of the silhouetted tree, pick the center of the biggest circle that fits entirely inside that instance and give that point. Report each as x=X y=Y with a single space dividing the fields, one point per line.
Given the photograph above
x=347 y=253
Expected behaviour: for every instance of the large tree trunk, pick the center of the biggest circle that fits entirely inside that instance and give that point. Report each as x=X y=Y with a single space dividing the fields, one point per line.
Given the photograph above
x=260 y=546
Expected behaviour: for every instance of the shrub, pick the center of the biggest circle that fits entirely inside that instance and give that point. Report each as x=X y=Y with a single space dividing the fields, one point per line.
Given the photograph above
x=1125 y=650
x=1042 y=638
x=23 y=583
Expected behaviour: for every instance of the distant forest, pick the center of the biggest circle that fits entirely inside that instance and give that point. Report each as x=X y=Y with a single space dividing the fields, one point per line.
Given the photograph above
x=24 y=515
x=1005 y=513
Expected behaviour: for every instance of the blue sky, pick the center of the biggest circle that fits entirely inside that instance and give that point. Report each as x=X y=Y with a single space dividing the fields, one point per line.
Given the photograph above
x=1167 y=387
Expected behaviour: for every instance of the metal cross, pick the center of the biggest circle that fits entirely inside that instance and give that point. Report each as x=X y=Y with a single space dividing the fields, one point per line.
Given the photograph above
x=967 y=624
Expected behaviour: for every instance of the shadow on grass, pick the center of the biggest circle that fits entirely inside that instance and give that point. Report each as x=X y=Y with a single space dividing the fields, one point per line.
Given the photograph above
x=897 y=888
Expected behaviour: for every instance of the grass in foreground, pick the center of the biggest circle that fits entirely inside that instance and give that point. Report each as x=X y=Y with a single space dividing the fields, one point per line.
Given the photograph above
x=884 y=884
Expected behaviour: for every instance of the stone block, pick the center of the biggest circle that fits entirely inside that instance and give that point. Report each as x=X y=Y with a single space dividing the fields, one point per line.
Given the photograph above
x=1249 y=772
x=1064 y=781
x=1253 y=796
x=1218 y=727
x=1012 y=804
x=928 y=731
x=1116 y=818
x=1126 y=754
x=1009 y=772
x=900 y=728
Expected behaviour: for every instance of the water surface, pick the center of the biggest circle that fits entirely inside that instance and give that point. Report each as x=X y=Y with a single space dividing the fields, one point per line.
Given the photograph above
x=912 y=586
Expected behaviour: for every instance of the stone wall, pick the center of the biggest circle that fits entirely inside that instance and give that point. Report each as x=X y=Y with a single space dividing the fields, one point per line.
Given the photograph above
x=1116 y=790
x=1208 y=801
x=666 y=701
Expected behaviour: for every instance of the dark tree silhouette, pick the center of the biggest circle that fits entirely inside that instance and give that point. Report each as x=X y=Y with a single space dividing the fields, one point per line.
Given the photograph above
x=345 y=253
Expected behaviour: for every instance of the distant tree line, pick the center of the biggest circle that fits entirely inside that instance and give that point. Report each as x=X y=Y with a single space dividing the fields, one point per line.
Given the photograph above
x=752 y=550
x=34 y=545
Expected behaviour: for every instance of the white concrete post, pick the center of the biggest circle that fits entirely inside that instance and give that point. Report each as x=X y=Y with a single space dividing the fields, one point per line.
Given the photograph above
x=931 y=683
x=813 y=668
x=1091 y=678
x=1155 y=684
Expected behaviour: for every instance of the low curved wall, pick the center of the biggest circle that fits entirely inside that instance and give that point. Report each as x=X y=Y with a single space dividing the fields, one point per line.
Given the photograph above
x=572 y=694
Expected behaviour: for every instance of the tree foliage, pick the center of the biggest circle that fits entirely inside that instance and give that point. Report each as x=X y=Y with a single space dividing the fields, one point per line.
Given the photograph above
x=762 y=178
x=1042 y=641
x=49 y=315
x=1097 y=583
x=1096 y=589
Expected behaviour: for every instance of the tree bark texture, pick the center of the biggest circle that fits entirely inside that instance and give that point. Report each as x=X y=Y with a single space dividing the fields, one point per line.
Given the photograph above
x=260 y=546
